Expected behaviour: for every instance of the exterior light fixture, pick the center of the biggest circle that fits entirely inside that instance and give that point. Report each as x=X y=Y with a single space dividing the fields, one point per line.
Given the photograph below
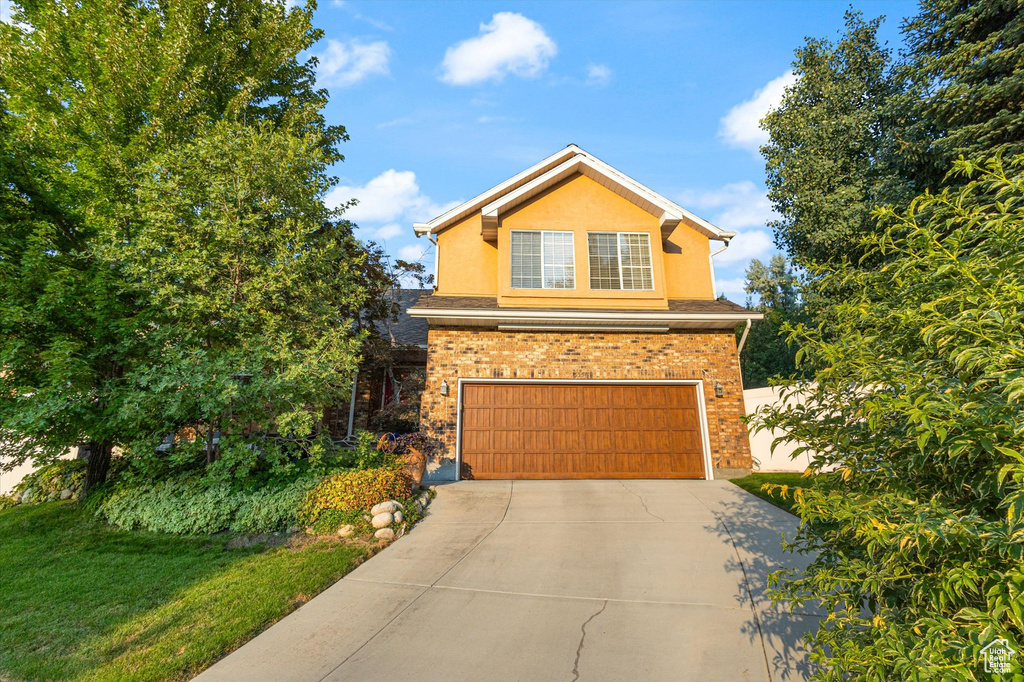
x=719 y=389
x=444 y=387
x=243 y=378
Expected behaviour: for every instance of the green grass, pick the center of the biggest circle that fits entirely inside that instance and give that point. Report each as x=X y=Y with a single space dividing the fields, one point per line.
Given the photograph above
x=80 y=600
x=753 y=482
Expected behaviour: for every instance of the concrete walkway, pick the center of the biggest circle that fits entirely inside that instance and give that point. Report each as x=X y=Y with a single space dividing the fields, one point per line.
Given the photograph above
x=553 y=580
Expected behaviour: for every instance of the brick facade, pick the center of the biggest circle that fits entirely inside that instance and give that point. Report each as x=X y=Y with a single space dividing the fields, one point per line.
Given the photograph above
x=455 y=353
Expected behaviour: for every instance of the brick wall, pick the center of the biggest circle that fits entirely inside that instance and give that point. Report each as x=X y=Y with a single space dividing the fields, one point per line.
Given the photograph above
x=479 y=353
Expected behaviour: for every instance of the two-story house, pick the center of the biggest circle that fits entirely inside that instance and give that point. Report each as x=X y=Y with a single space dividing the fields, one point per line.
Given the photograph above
x=574 y=332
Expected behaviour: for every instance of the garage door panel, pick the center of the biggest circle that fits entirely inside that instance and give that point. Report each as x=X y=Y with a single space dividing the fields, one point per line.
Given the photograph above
x=581 y=431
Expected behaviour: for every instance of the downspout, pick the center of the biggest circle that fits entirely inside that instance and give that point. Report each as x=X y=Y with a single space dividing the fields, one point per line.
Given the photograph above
x=711 y=261
x=437 y=255
x=352 y=404
x=743 y=339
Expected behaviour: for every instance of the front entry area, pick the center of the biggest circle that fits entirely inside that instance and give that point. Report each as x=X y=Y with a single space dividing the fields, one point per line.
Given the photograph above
x=581 y=430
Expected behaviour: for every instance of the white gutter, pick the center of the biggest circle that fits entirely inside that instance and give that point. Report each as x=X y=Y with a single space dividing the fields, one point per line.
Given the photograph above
x=743 y=339
x=711 y=262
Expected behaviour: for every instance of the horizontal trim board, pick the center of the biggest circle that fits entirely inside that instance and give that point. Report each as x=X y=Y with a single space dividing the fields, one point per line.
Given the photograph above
x=577 y=328
x=578 y=315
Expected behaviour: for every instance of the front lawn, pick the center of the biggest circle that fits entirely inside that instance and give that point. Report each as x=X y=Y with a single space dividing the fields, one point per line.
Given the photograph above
x=753 y=482
x=80 y=600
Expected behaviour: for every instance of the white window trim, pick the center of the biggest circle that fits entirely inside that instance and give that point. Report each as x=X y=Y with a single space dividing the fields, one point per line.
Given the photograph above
x=572 y=250
x=618 y=257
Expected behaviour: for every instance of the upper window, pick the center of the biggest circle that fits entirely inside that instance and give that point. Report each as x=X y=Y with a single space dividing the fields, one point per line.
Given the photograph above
x=620 y=260
x=542 y=260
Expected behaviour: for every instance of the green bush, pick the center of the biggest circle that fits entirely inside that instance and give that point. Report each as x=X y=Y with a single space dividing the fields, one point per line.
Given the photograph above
x=46 y=483
x=6 y=502
x=354 y=491
x=190 y=506
x=915 y=524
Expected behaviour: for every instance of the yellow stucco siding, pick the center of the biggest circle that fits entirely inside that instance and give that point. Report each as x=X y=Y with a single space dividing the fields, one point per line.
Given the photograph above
x=469 y=265
x=687 y=264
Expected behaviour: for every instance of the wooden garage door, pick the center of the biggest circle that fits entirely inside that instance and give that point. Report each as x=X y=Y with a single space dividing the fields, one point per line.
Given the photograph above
x=581 y=431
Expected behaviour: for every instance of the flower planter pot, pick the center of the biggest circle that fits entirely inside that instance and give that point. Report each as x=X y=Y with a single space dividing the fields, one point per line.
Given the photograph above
x=415 y=465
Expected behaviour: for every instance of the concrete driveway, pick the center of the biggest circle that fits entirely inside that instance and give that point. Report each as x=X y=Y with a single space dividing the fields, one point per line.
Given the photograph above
x=553 y=580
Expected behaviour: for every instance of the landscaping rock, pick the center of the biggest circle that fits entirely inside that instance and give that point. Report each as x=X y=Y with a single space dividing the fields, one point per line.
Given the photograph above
x=382 y=520
x=347 y=530
x=385 y=534
x=65 y=494
x=390 y=506
x=292 y=530
x=401 y=531
x=26 y=496
x=399 y=517
x=424 y=500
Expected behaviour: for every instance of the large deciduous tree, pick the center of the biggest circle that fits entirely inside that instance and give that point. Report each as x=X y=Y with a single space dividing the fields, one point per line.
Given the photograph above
x=828 y=159
x=162 y=168
x=916 y=523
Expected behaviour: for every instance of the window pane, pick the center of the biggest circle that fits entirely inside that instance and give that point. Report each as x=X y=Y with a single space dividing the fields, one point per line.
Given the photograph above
x=635 y=254
x=526 y=272
x=559 y=269
x=603 y=252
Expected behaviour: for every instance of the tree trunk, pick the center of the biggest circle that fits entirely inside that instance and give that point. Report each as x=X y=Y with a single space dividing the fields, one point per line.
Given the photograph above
x=99 y=464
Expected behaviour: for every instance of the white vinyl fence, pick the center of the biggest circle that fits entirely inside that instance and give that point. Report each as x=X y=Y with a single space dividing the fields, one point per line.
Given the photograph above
x=761 y=442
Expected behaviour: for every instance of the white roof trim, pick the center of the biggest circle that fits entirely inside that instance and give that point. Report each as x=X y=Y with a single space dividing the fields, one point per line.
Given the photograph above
x=557 y=167
x=668 y=216
x=581 y=315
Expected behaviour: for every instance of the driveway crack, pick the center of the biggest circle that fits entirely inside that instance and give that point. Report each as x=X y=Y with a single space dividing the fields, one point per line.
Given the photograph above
x=583 y=638
x=642 y=502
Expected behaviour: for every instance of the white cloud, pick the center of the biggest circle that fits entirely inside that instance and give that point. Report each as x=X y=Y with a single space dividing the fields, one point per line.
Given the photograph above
x=599 y=75
x=732 y=287
x=412 y=253
x=733 y=206
x=746 y=245
x=388 y=231
x=741 y=127
x=387 y=198
x=740 y=207
x=510 y=44
x=400 y=121
x=345 y=64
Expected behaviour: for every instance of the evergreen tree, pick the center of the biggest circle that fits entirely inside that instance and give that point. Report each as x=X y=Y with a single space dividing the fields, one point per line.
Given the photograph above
x=964 y=71
x=766 y=353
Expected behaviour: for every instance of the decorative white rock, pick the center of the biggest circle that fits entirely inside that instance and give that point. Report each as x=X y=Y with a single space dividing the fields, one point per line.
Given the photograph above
x=65 y=494
x=382 y=520
x=385 y=534
x=390 y=506
x=346 y=530
x=399 y=517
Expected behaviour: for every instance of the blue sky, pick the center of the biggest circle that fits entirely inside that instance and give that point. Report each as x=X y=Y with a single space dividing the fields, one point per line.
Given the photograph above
x=444 y=100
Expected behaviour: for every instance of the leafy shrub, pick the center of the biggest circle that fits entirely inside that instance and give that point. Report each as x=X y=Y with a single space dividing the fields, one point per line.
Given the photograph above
x=354 y=491
x=916 y=536
x=268 y=510
x=191 y=506
x=46 y=483
x=6 y=502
